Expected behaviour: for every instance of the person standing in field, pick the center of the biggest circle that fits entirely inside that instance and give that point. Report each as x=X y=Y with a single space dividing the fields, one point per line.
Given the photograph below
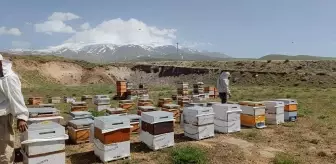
x=223 y=86
x=12 y=106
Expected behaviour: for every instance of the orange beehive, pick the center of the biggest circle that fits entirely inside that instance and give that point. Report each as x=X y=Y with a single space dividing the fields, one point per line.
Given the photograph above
x=79 y=136
x=291 y=108
x=252 y=121
x=120 y=135
x=35 y=100
x=145 y=104
x=163 y=101
x=79 y=106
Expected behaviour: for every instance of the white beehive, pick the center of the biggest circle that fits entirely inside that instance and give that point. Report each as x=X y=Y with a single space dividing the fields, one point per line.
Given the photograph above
x=253 y=110
x=156 y=142
x=198 y=122
x=96 y=97
x=112 y=122
x=54 y=158
x=227 y=117
x=80 y=115
x=102 y=101
x=43 y=138
x=102 y=107
x=113 y=151
x=274 y=112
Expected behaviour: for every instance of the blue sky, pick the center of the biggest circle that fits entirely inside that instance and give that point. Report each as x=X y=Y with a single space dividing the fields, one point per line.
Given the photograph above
x=239 y=28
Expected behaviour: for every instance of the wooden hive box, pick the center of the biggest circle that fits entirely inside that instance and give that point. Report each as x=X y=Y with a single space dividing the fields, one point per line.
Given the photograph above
x=35 y=100
x=257 y=121
x=135 y=120
x=116 y=111
x=145 y=104
x=145 y=109
x=163 y=101
x=79 y=106
x=54 y=100
x=158 y=122
x=126 y=106
x=79 y=130
x=251 y=103
x=290 y=104
x=175 y=109
x=112 y=129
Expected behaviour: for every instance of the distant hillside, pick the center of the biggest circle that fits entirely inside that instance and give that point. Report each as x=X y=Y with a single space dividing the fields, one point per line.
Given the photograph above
x=297 y=57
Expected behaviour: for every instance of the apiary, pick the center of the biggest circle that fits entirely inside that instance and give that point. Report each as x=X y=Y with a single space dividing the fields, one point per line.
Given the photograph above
x=111 y=137
x=253 y=114
x=54 y=100
x=198 y=122
x=163 y=101
x=80 y=115
x=116 y=111
x=79 y=106
x=79 y=130
x=35 y=100
x=157 y=129
x=175 y=109
x=126 y=104
x=227 y=117
x=274 y=112
x=44 y=141
x=145 y=109
x=135 y=122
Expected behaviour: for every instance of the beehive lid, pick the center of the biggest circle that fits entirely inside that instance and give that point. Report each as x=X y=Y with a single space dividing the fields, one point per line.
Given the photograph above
x=218 y=108
x=251 y=103
x=81 y=123
x=46 y=105
x=40 y=111
x=212 y=103
x=270 y=104
x=146 y=107
x=82 y=103
x=45 y=130
x=157 y=117
x=111 y=122
x=80 y=114
x=197 y=104
x=171 y=106
x=115 y=109
x=198 y=110
x=288 y=101
x=101 y=96
x=125 y=101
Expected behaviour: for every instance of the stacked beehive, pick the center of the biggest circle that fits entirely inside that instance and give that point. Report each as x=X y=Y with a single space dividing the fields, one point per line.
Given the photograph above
x=80 y=115
x=112 y=111
x=78 y=106
x=211 y=92
x=227 y=117
x=198 y=88
x=183 y=89
x=79 y=130
x=54 y=100
x=145 y=102
x=253 y=114
x=157 y=129
x=198 y=122
x=126 y=104
x=121 y=89
x=183 y=101
x=163 y=101
x=173 y=108
x=44 y=143
x=135 y=122
x=131 y=92
x=290 y=109
x=37 y=115
x=102 y=102
x=35 y=100
x=111 y=137
x=69 y=99
x=145 y=109
x=274 y=112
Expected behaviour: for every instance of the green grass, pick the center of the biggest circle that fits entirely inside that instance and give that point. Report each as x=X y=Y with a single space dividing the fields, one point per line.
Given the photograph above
x=188 y=155
x=283 y=158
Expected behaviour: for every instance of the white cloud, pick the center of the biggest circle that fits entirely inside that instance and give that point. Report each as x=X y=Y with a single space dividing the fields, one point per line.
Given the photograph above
x=21 y=44
x=10 y=31
x=59 y=16
x=53 y=26
x=85 y=26
x=195 y=44
x=121 y=32
x=55 y=23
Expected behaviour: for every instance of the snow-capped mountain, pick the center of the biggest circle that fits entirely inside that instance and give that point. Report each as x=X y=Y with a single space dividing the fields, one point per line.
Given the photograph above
x=111 y=52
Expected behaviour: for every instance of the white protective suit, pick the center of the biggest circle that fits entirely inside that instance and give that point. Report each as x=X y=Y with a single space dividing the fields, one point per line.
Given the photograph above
x=11 y=105
x=223 y=83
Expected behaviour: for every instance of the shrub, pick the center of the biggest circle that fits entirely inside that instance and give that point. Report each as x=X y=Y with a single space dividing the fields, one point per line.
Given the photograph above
x=269 y=61
x=188 y=155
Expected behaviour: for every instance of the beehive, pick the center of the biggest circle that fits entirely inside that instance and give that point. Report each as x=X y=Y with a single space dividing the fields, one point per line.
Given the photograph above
x=79 y=130
x=290 y=116
x=126 y=104
x=69 y=99
x=53 y=144
x=135 y=120
x=102 y=107
x=157 y=129
x=210 y=104
x=79 y=106
x=86 y=98
x=274 y=112
x=227 y=117
x=121 y=89
x=102 y=100
x=46 y=105
x=183 y=101
x=145 y=109
x=211 y=91
x=54 y=100
x=163 y=101
x=35 y=100
x=111 y=137
x=198 y=88
x=198 y=122
x=37 y=115
x=290 y=104
x=175 y=109
x=182 y=88
x=80 y=115
x=253 y=114
x=145 y=102
x=116 y=111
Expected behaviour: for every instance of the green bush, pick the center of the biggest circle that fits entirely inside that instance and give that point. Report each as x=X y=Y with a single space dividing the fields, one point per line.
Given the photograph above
x=188 y=155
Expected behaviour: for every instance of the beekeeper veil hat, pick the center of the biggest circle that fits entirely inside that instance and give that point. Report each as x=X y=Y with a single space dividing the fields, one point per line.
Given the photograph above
x=1 y=58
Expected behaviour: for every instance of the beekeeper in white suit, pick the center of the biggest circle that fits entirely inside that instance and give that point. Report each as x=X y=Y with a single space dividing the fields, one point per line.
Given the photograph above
x=223 y=86
x=11 y=105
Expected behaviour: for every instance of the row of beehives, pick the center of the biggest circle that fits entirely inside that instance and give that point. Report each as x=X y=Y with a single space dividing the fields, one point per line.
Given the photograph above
x=198 y=90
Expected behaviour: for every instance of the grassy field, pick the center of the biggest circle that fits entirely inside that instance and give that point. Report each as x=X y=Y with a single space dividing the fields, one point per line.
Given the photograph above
x=311 y=139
